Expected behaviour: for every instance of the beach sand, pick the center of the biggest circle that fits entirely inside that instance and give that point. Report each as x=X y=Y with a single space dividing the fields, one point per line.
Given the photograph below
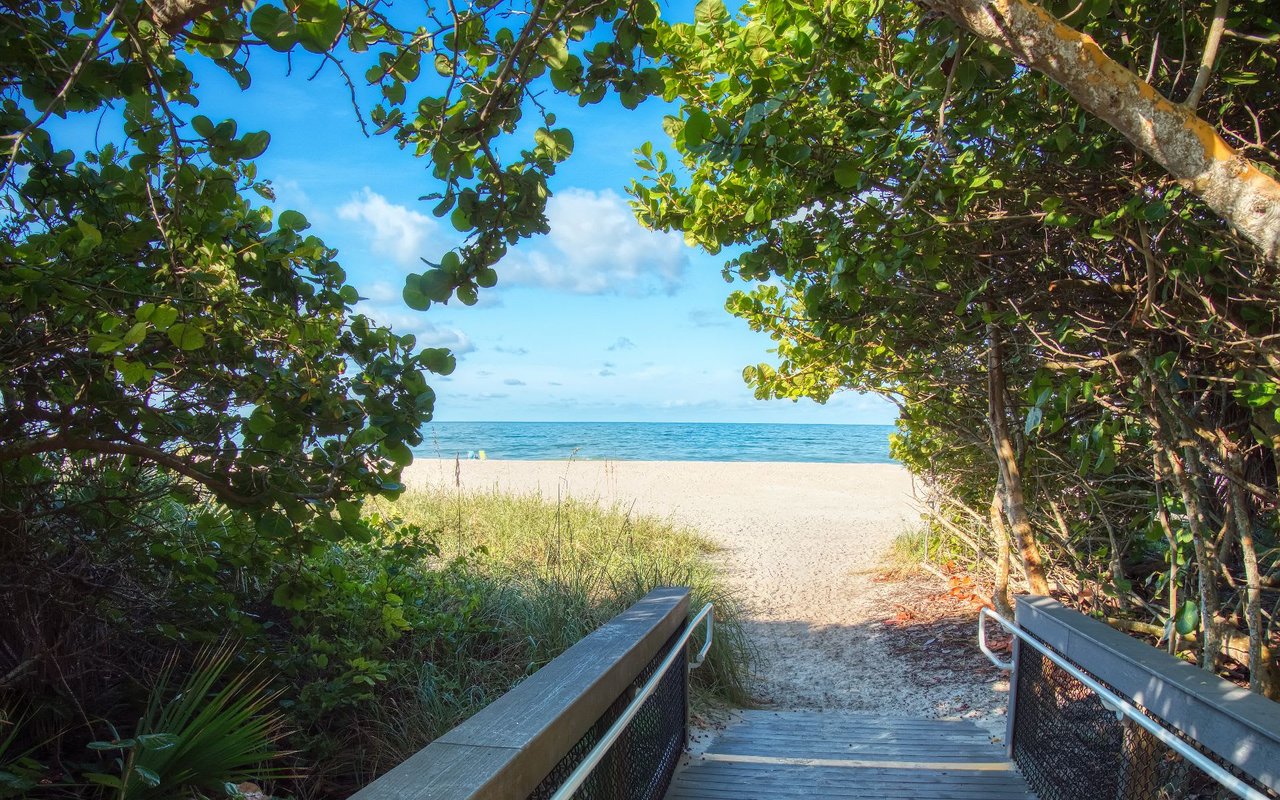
x=803 y=546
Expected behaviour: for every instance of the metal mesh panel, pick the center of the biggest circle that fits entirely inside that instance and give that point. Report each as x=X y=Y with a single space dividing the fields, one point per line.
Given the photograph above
x=1069 y=747
x=640 y=763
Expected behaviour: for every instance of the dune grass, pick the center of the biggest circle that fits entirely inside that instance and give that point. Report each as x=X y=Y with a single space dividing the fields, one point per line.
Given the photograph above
x=516 y=581
x=561 y=568
x=908 y=551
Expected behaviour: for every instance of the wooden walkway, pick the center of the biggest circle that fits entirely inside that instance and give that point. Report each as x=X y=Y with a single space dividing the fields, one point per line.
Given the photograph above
x=792 y=754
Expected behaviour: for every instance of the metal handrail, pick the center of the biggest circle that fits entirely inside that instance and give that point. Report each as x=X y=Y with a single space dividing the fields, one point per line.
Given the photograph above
x=1114 y=702
x=592 y=760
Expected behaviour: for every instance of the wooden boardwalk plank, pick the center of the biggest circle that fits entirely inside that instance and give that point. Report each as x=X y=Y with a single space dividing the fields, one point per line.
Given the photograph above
x=794 y=754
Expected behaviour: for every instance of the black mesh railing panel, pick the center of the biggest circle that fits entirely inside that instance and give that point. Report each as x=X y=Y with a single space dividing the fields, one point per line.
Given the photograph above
x=1069 y=747
x=640 y=763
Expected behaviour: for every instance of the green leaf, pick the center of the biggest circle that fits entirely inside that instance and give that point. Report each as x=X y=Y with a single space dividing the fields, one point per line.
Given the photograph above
x=1188 y=619
x=293 y=221
x=554 y=50
x=103 y=344
x=437 y=284
x=274 y=26
x=847 y=175
x=398 y=452
x=260 y=422
x=438 y=359
x=157 y=741
x=254 y=144
x=710 y=12
x=487 y=278
x=564 y=141
x=1156 y=211
x=414 y=294
x=135 y=334
x=556 y=145
x=330 y=529
x=202 y=125
x=186 y=336
x=319 y=23
x=273 y=525
x=90 y=237
x=149 y=777
x=134 y=373
x=696 y=127
x=163 y=317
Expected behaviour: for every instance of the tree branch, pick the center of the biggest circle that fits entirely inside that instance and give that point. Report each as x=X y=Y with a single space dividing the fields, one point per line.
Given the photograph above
x=71 y=442
x=1188 y=147
x=1209 y=56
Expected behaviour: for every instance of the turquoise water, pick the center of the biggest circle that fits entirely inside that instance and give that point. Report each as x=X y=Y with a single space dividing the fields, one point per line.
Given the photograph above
x=657 y=441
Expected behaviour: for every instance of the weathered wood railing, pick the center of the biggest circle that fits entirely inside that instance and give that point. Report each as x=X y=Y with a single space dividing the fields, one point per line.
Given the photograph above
x=525 y=743
x=1151 y=727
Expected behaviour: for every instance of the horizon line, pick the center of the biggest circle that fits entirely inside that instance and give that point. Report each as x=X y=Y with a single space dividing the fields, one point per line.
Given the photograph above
x=645 y=422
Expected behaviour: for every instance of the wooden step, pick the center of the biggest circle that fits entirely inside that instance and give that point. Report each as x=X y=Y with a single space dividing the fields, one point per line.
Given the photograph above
x=812 y=754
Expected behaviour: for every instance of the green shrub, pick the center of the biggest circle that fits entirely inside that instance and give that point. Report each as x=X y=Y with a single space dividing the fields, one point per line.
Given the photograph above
x=372 y=648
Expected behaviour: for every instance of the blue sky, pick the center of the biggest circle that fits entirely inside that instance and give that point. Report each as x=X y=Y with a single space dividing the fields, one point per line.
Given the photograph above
x=599 y=321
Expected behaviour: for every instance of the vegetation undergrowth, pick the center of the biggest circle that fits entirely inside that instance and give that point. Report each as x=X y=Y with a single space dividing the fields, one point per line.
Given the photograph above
x=366 y=650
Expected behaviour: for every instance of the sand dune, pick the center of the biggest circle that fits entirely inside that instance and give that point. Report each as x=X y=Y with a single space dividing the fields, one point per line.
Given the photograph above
x=802 y=543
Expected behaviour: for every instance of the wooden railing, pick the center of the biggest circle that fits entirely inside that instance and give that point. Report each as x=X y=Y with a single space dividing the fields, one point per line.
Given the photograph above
x=1153 y=726
x=508 y=749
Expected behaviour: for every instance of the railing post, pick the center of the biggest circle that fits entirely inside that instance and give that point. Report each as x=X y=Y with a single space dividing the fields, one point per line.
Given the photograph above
x=684 y=740
x=1011 y=711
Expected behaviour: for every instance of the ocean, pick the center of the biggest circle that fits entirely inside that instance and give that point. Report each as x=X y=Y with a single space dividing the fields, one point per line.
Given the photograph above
x=657 y=441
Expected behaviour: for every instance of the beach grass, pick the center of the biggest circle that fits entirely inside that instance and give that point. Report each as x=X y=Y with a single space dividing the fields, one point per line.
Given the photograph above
x=907 y=552
x=533 y=576
x=560 y=568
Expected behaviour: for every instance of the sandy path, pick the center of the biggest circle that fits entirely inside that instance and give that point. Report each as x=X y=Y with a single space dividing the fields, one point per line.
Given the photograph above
x=802 y=543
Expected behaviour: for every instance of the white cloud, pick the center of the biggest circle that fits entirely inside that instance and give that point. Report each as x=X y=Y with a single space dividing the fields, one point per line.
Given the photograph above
x=704 y=318
x=622 y=343
x=596 y=246
x=404 y=320
x=382 y=293
x=395 y=231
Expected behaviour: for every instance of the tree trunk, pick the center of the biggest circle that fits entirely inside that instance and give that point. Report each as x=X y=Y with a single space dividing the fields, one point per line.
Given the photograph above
x=1184 y=476
x=1189 y=148
x=1007 y=462
x=1262 y=672
x=1162 y=514
x=1000 y=592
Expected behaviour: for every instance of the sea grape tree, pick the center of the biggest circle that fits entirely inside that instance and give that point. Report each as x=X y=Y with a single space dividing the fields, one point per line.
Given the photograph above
x=1063 y=325
x=156 y=311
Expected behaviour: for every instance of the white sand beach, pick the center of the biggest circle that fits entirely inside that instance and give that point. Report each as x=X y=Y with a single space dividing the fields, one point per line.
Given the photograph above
x=802 y=545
